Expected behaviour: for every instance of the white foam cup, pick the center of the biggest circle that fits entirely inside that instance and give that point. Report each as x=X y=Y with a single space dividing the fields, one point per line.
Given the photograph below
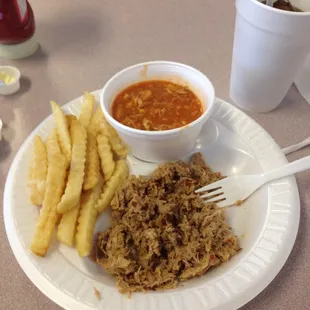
x=270 y=47
x=166 y=145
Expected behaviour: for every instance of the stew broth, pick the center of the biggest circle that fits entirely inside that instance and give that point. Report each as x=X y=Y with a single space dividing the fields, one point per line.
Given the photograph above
x=156 y=105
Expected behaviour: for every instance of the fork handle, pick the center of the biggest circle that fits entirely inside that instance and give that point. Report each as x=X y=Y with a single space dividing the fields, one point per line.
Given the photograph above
x=288 y=169
x=296 y=147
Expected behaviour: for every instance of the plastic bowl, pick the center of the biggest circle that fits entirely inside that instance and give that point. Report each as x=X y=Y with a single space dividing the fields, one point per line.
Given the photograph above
x=11 y=88
x=166 y=145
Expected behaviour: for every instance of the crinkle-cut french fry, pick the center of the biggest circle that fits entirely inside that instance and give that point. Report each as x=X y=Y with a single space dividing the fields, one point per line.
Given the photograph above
x=103 y=126
x=56 y=174
x=99 y=125
x=96 y=121
x=87 y=109
x=62 y=130
x=52 y=144
x=72 y=194
x=118 y=146
x=38 y=172
x=70 y=118
x=92 y=163
x=106 y=156
x=119 y=176
x=87 y=219
x=67 y=227
x=116 y=142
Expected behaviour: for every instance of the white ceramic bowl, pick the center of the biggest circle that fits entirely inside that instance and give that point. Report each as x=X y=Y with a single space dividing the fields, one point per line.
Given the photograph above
x=166 y=145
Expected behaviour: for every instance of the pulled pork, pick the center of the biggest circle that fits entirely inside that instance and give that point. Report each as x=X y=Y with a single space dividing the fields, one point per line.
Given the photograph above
x=162 y=232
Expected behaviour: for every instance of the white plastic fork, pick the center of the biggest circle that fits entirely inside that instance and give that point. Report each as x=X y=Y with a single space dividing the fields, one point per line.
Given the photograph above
x=296 y=147
x=235 y=189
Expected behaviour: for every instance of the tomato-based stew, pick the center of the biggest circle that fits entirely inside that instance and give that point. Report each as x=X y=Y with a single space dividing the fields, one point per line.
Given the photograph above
x=156 y=105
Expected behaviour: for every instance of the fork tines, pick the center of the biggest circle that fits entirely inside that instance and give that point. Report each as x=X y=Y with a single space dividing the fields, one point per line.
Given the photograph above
x=213 y=195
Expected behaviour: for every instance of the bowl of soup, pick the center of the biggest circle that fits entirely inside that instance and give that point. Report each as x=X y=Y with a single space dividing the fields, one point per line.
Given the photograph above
x=158 y=108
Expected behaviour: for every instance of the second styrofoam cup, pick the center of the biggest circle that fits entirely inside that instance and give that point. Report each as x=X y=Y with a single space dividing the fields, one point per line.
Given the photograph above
x=270 y=47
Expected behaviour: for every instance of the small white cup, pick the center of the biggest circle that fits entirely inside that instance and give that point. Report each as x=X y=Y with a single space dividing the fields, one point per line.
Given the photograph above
x=167 y=145
x=11 y=88
x=270 y=47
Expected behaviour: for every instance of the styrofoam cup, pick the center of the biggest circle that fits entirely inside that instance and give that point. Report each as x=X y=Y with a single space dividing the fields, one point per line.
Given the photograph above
x=270 y=47
x=166 y=145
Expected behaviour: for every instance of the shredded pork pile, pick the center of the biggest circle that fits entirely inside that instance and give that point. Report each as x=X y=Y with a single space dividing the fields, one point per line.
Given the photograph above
x=162 y=232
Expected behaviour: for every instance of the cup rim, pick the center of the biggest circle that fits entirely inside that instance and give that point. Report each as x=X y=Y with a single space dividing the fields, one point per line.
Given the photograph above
x=275 y=10
x=162 y=132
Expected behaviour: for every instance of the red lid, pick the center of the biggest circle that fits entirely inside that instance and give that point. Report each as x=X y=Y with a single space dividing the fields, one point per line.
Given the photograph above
x=16 y=21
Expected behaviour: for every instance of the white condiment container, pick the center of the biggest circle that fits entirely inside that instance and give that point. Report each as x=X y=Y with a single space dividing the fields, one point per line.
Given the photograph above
x=13 y=87
x=167 y=145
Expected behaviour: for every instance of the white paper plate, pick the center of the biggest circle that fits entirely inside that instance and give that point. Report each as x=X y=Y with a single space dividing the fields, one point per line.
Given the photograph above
x=267 y=225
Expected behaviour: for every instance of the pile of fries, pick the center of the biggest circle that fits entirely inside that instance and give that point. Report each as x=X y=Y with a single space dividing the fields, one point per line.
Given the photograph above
x=74 y=177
